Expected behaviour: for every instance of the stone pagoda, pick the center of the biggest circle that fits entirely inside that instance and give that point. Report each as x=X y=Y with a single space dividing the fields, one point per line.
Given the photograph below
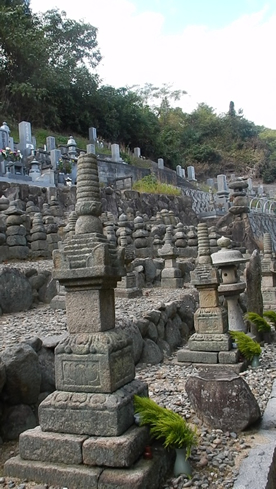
x=87 y=437
x=211 y=342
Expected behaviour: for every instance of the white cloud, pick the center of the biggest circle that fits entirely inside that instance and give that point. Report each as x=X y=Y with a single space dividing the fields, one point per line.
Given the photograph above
x=213 y=66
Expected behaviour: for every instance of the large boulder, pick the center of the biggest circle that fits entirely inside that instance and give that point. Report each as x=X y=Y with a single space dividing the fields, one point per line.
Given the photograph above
x=222 y=399
x=23 y=376
x=151 y=352
x=17 y=419
x=15 y=291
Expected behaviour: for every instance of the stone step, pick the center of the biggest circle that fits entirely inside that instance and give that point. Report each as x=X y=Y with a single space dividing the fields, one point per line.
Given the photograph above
x=144 y=474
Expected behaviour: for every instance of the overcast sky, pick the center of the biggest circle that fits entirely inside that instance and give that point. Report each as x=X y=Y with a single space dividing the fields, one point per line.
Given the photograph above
x=216 y=50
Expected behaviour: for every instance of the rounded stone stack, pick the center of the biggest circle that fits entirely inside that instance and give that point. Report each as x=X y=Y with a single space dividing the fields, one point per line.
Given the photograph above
x=192 y=237
x=203 y=243
x=51 y=229
x=123 y=229
x=140 y=237
x=180 y=236
x=39 y=245
x=16 y=232
x=88 y=207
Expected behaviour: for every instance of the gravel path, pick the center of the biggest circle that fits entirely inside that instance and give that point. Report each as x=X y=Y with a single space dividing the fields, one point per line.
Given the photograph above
x=217 y=458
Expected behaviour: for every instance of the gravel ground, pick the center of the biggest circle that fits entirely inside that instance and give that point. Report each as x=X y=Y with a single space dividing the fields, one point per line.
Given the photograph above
x=217 y=457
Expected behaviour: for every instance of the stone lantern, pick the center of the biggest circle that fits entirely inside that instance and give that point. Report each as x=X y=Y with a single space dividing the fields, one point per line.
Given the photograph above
x=227 y=261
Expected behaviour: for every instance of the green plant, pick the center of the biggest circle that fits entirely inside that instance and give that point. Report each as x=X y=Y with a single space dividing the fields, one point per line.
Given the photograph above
x=165 y=424
x=248 y=347
x=150 y=185
x=271 y=316
x=262 y=325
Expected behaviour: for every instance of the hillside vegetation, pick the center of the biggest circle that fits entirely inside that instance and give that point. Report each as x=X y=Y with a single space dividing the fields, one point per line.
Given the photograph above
x=47 y=77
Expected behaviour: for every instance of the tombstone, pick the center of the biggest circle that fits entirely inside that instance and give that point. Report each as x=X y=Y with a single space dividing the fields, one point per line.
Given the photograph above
x=179 y=170
x=34 y=142
x=260 y=190
x=191 y=173
x=171 y=274
x=137 y=152
x=183 y=173
x=50 y=143
x=92 y=135
x=25 y=138
x=55 y=155
x=71 y=147
x=160 y=163
x=250 y=189
x=115 y=153
x=91 y=149
x=11 y=144
x=210 y=182
x=223 y=192
x=4 y=135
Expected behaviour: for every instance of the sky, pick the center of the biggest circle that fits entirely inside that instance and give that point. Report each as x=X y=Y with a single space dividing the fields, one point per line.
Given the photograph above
x=215 y=50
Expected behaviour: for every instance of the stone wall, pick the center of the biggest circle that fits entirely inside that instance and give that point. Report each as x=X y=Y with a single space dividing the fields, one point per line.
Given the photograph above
x=27 y=368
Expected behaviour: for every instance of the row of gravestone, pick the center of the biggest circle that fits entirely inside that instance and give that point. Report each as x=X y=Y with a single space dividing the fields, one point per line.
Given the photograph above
x=27 y=369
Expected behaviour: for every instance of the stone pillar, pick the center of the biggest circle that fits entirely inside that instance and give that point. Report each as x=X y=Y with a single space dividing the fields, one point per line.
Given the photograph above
x=25 y=137
x=223 y=192
x=50 y=143
x=115 y=152
x=91 y=148
x=160 y=163
x=191 y=173
x=137 y=152
x=87 y=425
x=55 y=155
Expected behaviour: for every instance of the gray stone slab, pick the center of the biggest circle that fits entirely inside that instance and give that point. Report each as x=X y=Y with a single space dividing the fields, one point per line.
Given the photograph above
x=231 y=356
x=116 y=451
x=51 y=447
x=90 y=414
x=258 y=470
x=145 y=474
x=197 y=356
x=269 y=417
x=73 y=477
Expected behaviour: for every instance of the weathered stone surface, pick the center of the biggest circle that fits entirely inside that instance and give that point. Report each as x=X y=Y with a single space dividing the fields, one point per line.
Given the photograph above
x=231 y=356
x=73 y=477
x=99 y=362
x=18 y=252
x=210 y=342
x=2 y=375
x=15 y=291
x=16 y=240
x=17 y=419
x=151 y=352
x=186 y=355
x=116 y=451
x=222 y=399
x=51 y=447
x=22 y=374
x=172 y=334
x=16 y=230
x=164 y=347
x=46 y=359
x=91 y=414
x=83 y=305
x=145 y=474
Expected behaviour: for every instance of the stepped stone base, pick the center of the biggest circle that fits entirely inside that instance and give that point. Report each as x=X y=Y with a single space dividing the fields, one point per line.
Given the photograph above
x=61 y=448
x=144 y=474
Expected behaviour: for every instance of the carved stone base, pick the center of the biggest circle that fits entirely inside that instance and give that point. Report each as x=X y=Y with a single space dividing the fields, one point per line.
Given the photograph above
x=90 y=414
x=99 y=362
x=210 y=342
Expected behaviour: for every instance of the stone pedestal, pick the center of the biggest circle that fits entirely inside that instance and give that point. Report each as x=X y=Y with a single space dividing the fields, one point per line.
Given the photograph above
x=268 y=275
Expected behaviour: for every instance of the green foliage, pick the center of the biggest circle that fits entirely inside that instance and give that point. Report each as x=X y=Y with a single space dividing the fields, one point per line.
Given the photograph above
x=165 y=424
x=150 y=185
x=261 y=324
x=248 y=347
x=271 y=316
